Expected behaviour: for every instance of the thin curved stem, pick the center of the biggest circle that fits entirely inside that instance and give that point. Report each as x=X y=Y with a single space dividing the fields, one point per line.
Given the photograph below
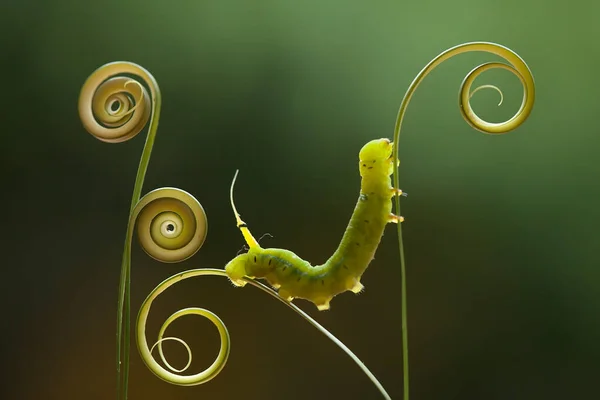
x=517 y=67
x=216 y=367
x=124 y=302
x=103 y=132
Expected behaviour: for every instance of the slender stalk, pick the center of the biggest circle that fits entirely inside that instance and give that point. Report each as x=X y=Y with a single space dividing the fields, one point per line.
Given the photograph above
x=520 y=69
x=219 y=363
x=124 y=302
x=115 y=108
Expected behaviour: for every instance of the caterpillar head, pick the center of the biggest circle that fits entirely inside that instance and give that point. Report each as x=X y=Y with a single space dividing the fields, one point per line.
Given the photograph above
x=375 y=155
x=236 y=269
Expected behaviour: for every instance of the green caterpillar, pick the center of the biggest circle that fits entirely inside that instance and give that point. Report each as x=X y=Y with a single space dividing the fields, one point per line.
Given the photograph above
x=297 y=278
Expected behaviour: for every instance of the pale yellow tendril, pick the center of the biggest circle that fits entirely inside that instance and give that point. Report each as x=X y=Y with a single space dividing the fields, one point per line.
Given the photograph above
x=216 y=367
x=516 y=66
x=107 y=102
x=162 y=356
x=171 y=224
x=496 y=88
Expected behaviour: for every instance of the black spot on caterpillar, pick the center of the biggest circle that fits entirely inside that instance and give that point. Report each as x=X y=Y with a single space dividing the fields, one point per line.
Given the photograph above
x=284 y=270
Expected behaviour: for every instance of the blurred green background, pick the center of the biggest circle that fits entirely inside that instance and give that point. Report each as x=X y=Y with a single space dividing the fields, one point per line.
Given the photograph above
x=500 y=232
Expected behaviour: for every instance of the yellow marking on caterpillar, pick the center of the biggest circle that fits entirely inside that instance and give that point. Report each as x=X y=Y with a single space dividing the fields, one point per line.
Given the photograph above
x=297 y=278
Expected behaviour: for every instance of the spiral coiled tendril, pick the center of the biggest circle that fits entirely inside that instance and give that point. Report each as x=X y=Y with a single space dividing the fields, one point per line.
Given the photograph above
x=114 y=108
x=171 y=224
x=516 y=66
x=216 y=367
x=174 y=377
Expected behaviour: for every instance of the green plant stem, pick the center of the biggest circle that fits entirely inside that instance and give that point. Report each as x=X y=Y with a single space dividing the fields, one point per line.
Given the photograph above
x=403 y=296
x=124 y=301
x=521 y=71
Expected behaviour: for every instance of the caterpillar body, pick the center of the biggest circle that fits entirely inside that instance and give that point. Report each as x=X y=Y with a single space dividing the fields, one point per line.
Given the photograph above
x=297 y=278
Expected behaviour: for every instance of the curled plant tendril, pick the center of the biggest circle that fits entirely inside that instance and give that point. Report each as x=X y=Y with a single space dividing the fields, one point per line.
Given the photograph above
x=114 y=108
x=175 y=339
x=107 y=106
x=216 y=367
x=497 y=89
x=516 y=66
x=171 y=224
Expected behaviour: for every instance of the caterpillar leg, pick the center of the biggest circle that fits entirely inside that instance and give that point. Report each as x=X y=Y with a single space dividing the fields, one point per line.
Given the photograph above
x=237 y=283
x=353 y=284
x=395 y=218
x=357 y=288
x=284 y=294
x=398 y=192
x=323 y=305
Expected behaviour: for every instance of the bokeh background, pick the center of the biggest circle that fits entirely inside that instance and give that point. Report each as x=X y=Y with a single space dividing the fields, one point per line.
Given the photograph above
x=500 y=232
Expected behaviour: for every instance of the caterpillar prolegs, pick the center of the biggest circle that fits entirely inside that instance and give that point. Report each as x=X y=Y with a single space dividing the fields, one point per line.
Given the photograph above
x=297 y=278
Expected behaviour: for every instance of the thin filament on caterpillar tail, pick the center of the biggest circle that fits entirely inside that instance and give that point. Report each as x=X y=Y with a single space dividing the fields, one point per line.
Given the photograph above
x=297 y=278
